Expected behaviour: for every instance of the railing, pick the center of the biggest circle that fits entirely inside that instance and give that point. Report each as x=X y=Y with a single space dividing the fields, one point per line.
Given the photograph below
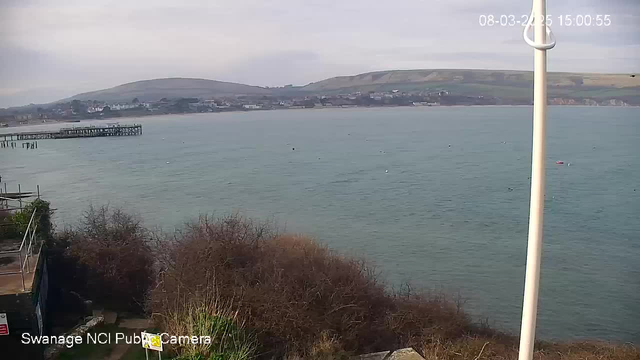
x=25 y=251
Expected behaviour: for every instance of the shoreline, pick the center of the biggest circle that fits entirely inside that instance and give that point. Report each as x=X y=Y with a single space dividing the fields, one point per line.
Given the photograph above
x=116 y=119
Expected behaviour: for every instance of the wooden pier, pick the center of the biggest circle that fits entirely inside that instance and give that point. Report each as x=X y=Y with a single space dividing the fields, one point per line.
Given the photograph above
x=77 y=132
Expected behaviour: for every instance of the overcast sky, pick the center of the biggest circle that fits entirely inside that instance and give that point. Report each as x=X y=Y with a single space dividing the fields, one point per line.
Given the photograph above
x=51 y=49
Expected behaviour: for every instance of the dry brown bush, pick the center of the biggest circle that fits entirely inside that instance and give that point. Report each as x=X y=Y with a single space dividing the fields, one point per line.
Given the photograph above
x=293 y=291
x=106 y=258
x=299 y=299
x=505 y=347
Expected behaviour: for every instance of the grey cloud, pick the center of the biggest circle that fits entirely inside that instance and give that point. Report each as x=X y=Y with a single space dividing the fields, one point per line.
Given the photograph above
x=34 y=96
x=33 y=66
x=82 y=45
x=300 y=67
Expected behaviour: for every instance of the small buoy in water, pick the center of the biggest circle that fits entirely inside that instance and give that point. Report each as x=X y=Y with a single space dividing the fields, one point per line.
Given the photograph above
x=293 y=148
x=167 y=162
x=568 y=164
x=386 y=171
x=449 y=145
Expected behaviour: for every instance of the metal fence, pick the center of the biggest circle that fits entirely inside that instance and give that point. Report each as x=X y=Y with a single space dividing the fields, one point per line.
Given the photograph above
x=25 y=253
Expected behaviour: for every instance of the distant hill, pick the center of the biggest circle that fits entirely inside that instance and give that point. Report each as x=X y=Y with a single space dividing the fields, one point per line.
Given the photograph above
x=513 y=86
x=497 y=83
x=508 y=86
x=152 y=90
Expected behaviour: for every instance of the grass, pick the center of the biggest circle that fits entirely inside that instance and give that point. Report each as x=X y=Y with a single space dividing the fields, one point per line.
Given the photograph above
x=506 y=347
x=207 y=316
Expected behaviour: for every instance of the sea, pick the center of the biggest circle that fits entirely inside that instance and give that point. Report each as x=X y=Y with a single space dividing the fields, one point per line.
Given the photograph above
x=437 y=197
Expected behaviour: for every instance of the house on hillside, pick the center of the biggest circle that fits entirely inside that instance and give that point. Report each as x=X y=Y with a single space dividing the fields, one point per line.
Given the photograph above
x=94 y=109
x=122 y=106
x=23 y=117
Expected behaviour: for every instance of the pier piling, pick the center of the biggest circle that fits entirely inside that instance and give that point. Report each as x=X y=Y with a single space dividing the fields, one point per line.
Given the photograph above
x=74 y=132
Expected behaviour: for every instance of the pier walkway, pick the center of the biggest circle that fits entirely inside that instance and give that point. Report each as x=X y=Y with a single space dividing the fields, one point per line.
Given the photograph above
x=76 y=132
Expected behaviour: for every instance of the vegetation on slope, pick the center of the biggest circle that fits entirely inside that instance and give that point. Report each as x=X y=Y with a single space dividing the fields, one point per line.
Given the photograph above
x=157 y=89
x=462 y=76
x=261 y=294
x=106 y=258
x=507 y=84
x=14 y=225
x=504 y=84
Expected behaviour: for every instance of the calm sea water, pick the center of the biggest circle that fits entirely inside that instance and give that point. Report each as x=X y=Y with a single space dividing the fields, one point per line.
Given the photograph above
x=444 y=217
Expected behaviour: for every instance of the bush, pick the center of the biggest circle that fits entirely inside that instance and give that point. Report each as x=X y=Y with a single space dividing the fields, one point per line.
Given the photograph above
x=205 y=315
x=258 y=293
x=106 y=259
x=42 y=217
x=506 y=347
x=8 y=229
x=293 y=292
x=13 y=226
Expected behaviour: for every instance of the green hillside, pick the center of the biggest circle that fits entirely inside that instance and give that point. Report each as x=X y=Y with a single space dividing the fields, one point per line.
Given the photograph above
x=515 y=85
x=153 y=90
x=502 y=86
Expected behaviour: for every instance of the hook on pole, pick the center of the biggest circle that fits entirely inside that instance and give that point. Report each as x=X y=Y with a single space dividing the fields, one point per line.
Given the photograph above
x=533 y=44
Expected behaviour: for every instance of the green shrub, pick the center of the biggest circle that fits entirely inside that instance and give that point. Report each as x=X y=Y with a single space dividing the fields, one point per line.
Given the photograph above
x=13 y=226
x=8 y=229
x=204 y=316
x=42 y=218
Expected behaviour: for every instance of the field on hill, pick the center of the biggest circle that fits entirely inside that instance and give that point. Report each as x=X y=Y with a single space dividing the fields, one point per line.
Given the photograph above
x=503 y=87
x=513 y=85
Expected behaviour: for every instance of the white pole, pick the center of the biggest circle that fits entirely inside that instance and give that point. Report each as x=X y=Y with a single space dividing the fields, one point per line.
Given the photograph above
x=536 y=211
